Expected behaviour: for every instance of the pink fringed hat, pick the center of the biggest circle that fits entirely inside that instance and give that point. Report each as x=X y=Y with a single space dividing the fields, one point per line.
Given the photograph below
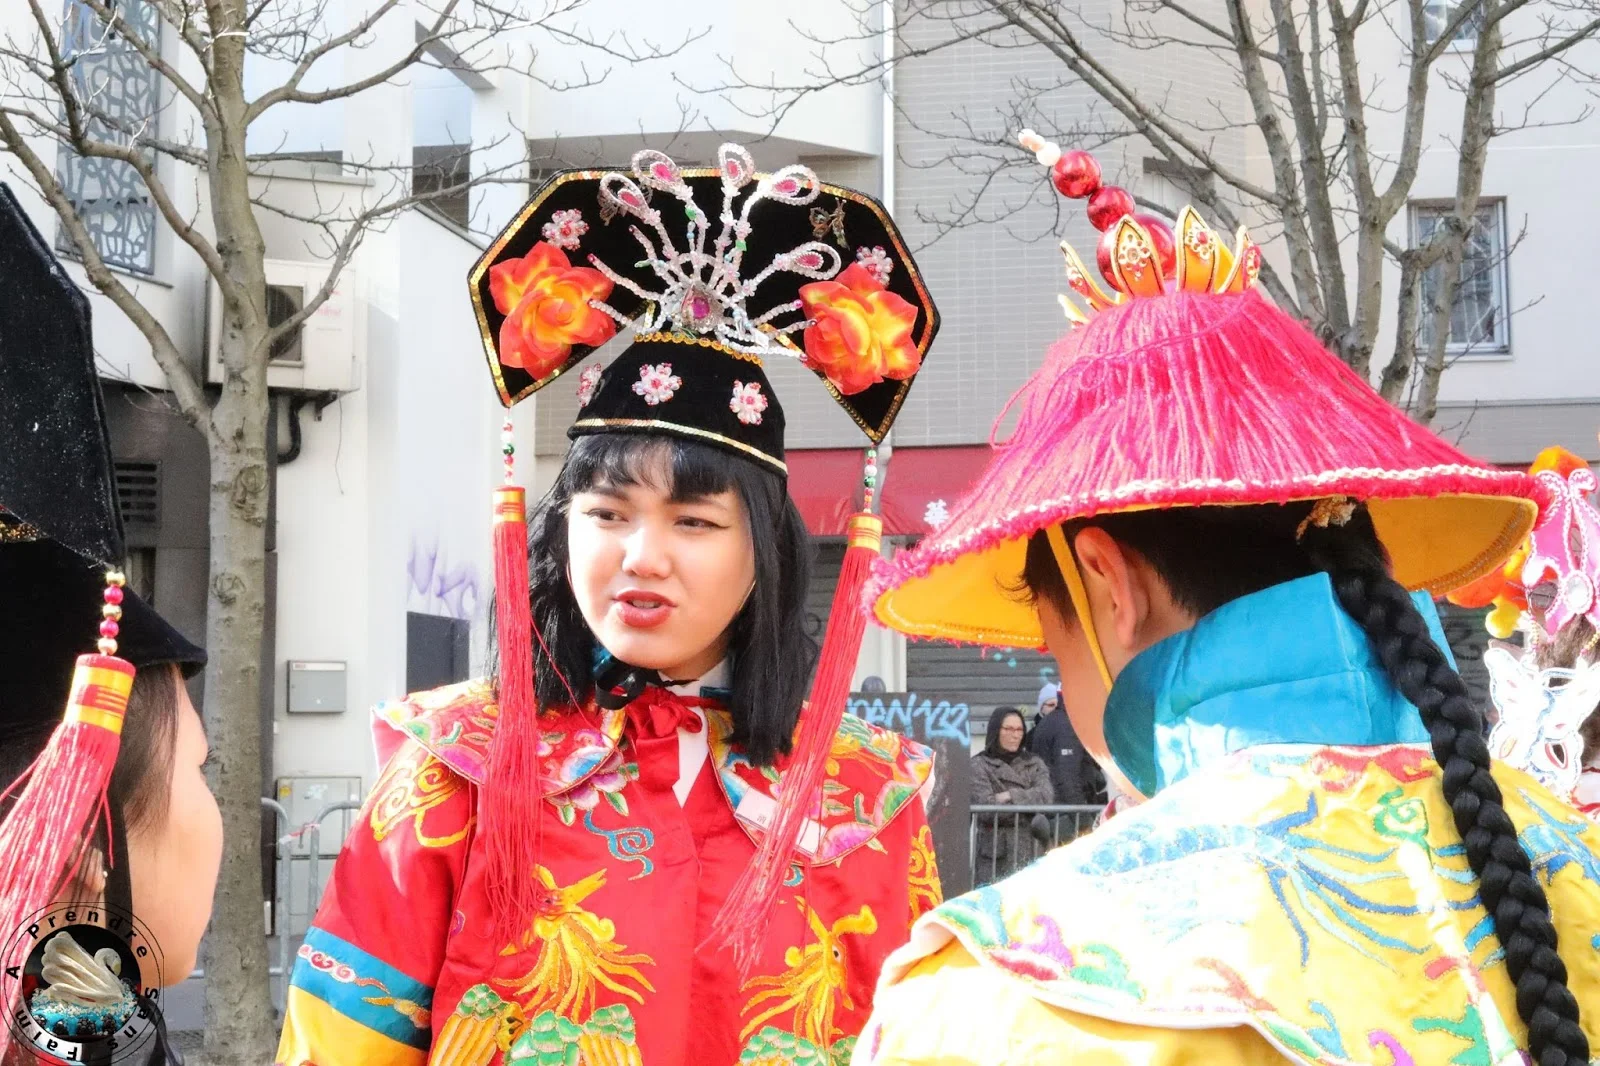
x=1185 y=387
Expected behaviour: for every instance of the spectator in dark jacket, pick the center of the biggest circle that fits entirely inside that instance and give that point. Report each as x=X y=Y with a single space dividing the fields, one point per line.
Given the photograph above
x=1074 y=776
x=1005 y=773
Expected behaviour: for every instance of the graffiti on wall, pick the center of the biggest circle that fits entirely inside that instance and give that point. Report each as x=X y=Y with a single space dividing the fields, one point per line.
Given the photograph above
x=438 y=586
x=919 y=718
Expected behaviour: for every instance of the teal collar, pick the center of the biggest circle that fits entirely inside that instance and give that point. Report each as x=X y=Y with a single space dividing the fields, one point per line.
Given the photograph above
x=1285 y=665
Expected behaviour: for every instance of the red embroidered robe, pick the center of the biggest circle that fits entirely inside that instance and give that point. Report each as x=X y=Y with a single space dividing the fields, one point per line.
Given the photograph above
x=401 y=967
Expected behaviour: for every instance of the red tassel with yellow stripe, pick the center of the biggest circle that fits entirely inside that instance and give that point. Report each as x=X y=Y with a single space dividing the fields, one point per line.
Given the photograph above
x=60 y=797
x=744 y=918
x=513 y=796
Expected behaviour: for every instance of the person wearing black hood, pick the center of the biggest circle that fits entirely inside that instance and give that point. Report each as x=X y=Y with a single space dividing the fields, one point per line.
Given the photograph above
x=1006 y=774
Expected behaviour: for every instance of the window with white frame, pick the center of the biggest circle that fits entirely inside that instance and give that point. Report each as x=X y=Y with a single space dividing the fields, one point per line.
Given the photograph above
x=1479 y=311
x=120 y=91
x=1438 y=14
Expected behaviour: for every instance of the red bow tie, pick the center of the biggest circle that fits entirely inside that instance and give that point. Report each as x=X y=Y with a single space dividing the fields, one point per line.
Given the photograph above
x=659 y=713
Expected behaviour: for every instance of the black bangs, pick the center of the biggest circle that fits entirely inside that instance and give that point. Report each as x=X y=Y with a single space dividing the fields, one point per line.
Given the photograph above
x=623 y=460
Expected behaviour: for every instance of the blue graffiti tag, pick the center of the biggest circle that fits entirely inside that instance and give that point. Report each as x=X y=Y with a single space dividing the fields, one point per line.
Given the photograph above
x=918 y=719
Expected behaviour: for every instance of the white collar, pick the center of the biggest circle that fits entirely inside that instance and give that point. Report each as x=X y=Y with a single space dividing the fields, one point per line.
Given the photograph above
x=716 y=677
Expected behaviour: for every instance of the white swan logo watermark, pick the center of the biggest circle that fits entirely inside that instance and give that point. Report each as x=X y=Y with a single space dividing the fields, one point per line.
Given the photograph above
x=77 y=979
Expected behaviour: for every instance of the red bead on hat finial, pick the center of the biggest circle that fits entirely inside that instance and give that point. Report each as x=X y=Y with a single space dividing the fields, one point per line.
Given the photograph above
x=1075 y=175
x=1166 y=245
x=1108 y=205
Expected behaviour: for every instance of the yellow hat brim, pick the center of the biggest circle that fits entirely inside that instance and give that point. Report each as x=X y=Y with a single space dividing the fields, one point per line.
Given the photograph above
x=1437 y=543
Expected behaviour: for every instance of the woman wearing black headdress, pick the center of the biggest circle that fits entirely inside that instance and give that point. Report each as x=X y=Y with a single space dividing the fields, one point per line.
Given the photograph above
x=110 y=839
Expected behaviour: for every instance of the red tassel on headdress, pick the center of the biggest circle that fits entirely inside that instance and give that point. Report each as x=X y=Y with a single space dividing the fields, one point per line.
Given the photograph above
x=744 y=918
x=46 y=833
x=513 y=793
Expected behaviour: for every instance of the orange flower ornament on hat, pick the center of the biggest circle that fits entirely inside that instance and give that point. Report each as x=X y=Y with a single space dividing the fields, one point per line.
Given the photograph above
x=546 y=301
x=1180 y=385
x=860 y=332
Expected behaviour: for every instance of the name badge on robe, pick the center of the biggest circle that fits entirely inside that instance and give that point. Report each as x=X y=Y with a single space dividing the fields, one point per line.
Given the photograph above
x=758 y=810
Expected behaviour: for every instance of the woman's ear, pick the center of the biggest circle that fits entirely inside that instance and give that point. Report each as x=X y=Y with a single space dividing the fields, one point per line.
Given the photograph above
x=88 y=884
x=1116 y=593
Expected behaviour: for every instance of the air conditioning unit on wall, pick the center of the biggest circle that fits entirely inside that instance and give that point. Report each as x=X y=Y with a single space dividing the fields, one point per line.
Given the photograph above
x=318 y=357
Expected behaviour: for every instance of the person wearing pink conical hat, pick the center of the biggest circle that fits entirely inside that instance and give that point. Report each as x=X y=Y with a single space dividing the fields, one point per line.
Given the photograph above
x=1228 y=541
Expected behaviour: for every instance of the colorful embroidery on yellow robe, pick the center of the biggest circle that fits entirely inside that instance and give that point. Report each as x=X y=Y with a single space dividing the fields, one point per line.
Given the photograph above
x=1227 y=901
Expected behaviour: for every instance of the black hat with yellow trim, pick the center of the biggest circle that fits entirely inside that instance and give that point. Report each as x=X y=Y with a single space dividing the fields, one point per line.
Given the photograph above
x=714 y=269
x=72 y=635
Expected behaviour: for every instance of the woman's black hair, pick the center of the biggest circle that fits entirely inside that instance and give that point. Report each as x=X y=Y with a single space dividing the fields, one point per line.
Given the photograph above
x=769 y=654
x=991 y=739
x=1207 y=556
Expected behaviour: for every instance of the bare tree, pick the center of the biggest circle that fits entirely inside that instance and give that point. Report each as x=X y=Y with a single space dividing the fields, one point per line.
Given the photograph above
x=196 y=130
x=1309 y=92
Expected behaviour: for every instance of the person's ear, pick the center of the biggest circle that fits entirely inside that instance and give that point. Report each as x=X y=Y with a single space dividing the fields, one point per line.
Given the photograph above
x=1116 y=594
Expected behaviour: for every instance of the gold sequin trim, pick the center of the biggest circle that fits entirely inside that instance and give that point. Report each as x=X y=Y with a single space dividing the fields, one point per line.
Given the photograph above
x=687 y=431
x=704 y=342
x=14 y=530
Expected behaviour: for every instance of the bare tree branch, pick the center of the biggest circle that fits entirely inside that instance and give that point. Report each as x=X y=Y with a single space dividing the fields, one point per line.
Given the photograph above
x=1311 y=101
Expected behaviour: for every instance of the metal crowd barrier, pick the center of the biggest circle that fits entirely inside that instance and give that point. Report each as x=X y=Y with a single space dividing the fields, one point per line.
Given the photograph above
x=284 y=848
x=1003 y=838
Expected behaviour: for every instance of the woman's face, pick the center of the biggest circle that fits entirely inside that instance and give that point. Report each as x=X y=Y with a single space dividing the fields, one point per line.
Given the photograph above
x=660 y=579
x=1011 y=733
x=173 y=862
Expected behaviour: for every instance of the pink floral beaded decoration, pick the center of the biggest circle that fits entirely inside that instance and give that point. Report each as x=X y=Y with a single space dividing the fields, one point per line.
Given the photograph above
x=1565 y=545
x=877 y=262
x=657 y=383
x=588 y=381
x=565 y=229
x=748 y=402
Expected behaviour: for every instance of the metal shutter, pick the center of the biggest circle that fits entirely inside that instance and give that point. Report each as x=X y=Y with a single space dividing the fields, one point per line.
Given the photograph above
x=982 y=678
x=819 y=592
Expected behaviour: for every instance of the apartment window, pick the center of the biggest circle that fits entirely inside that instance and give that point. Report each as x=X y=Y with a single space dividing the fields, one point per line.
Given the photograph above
x=444 y=167
x=119 y=89
x=1480 y=312
x=1438 y=14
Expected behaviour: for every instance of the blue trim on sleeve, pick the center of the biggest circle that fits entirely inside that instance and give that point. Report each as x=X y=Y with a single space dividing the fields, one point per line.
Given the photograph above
x=379 y=981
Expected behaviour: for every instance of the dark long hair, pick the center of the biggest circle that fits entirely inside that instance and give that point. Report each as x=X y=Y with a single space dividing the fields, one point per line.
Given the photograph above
x=769 y=654
x=1207 y=556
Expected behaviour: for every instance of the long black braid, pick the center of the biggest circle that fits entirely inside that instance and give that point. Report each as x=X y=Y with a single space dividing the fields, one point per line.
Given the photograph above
x=1352 y=558
x=1208 y=556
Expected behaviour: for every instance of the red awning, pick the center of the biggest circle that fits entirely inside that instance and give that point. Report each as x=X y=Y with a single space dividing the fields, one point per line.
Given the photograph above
x=920 y=482
x=825 y=483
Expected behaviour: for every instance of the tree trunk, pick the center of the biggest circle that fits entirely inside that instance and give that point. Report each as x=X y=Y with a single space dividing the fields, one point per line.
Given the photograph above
x=238 y=1011
x=238 y=1014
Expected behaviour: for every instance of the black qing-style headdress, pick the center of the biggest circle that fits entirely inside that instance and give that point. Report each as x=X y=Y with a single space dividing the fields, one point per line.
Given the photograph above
x=713 y=270
x=70 y=626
